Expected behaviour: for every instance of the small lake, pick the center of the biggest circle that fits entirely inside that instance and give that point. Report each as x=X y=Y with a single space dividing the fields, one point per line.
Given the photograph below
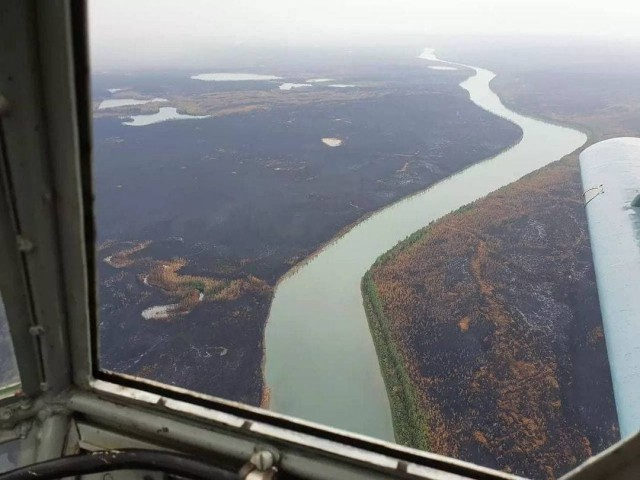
x=163 y=115
x=332 y=141
x=321 y=364
x=292 y=86
x=232 y=77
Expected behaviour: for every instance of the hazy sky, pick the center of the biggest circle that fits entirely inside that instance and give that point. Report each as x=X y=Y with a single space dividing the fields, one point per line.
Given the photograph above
x=130 y=31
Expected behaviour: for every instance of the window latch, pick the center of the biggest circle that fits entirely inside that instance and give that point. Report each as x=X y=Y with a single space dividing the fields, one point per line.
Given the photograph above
x=261 y=466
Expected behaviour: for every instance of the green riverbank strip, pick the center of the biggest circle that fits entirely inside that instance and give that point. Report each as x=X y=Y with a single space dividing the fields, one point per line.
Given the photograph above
x=409 y=424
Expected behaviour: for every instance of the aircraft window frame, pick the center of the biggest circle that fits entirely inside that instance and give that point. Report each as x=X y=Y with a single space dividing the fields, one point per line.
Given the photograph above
x=16 y=246
x=41 y=210
x=48 y=250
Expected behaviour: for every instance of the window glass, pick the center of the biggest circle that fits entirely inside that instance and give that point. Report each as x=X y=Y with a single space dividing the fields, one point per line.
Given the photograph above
x=372 y=215
x=8 y=368
x=9 y=455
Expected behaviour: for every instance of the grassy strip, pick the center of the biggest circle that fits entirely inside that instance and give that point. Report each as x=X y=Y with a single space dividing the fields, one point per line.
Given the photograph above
x=421 y=233
x=409 y=423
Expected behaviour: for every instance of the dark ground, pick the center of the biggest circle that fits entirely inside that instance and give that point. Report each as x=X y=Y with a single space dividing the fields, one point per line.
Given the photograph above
x=255 y=193
x=590 y=83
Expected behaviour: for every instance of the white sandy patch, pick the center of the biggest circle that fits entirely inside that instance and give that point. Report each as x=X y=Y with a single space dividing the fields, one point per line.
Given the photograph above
x=341 y=85
x=441 y=67
x=319 y=80
x=332 y=142
x=291 y=86
x=232 y=77
x=429 y=54
x=158 y=312
x=114 y=90
x=123 y=102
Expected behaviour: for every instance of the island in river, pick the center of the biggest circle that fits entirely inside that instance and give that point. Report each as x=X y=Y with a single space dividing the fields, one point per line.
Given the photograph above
x=487 y=322
x=197 y=219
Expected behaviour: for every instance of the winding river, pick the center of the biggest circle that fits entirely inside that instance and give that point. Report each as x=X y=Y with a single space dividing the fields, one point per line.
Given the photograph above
x=321 y=363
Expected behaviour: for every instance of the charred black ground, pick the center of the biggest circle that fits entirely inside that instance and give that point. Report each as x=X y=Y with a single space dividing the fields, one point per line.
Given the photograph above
x=254 y=193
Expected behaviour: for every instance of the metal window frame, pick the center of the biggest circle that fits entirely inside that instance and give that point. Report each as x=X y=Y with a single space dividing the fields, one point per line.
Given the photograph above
x=29 y=190
x=47 y=280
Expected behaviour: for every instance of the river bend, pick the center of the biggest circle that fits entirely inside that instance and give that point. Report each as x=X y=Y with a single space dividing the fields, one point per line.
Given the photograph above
x=321 y=364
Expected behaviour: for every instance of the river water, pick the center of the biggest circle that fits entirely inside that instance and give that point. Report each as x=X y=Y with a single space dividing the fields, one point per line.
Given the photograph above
x=321 y=363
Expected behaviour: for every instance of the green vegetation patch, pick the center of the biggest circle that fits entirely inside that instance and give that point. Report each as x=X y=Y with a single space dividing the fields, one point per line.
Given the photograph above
x=409 y=423
x=195 y=285
x=409 y=419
